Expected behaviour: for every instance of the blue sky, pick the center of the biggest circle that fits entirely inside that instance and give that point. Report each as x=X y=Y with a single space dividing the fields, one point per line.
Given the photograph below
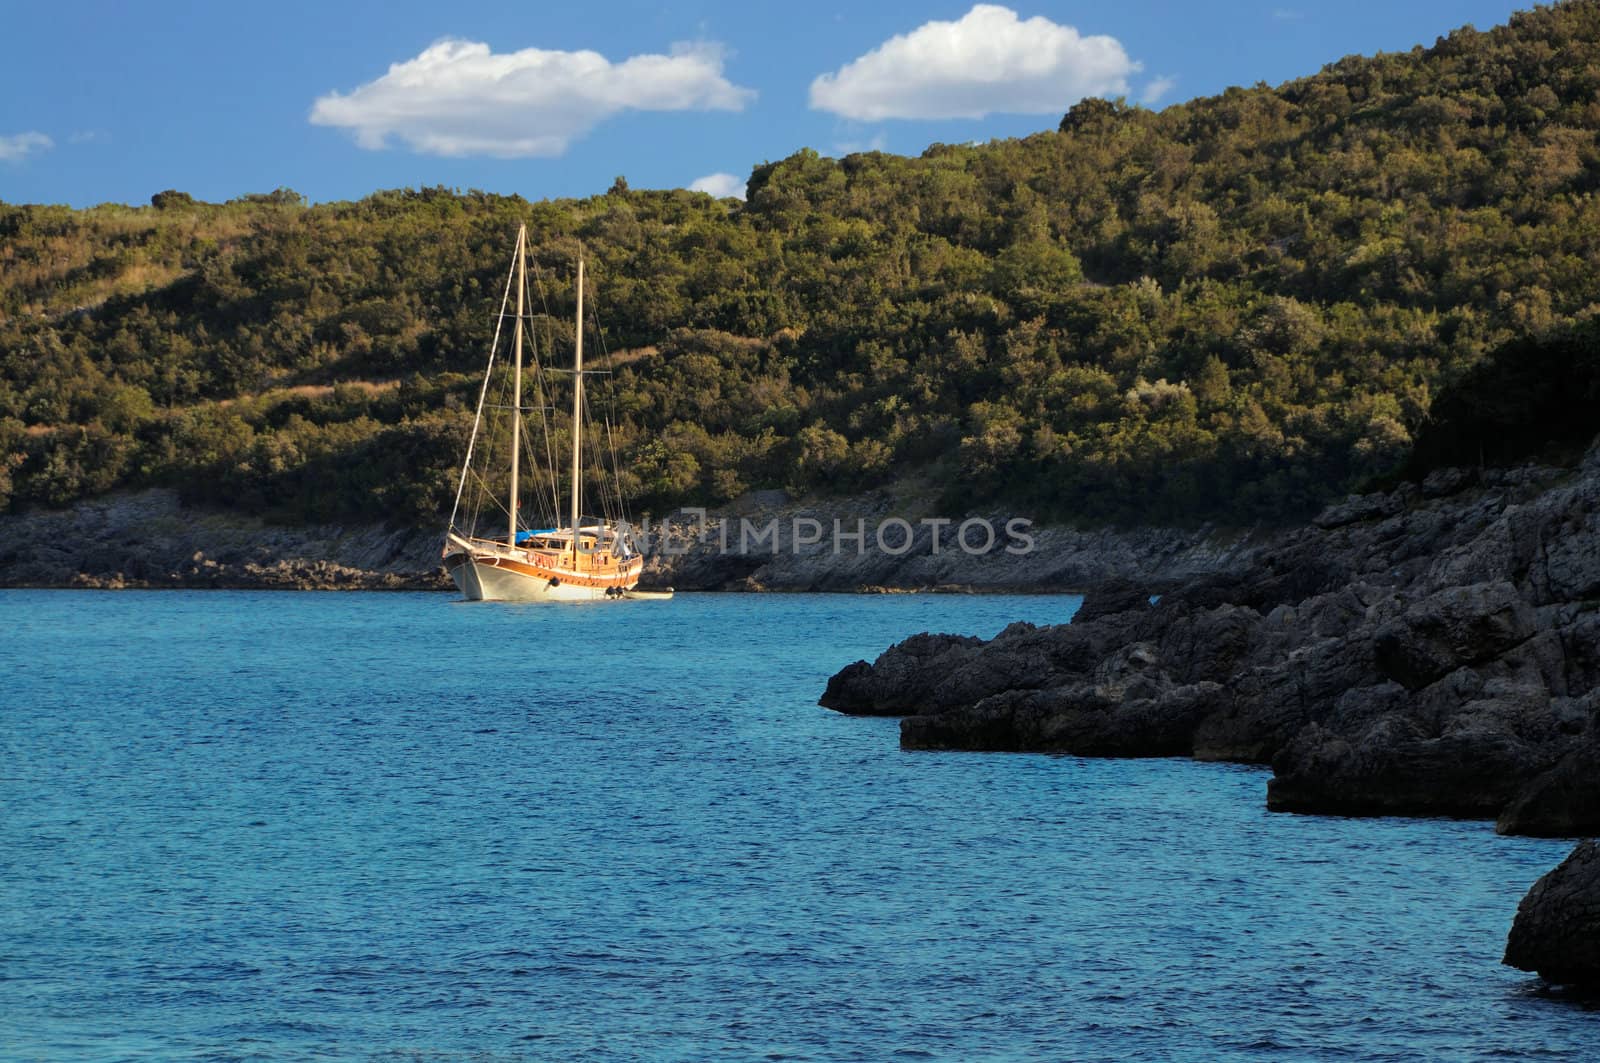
x=112 y=102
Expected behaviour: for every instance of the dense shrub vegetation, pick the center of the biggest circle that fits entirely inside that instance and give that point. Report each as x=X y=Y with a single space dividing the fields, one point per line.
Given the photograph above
x=1533 y=398
x=1232 y=308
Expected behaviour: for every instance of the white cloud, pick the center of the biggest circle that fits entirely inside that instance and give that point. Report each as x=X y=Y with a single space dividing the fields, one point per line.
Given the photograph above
x=988 y=61
x=459 y=98
x=1156 y=89
x=19 y=146
x=720 y=185
x=1287 y=14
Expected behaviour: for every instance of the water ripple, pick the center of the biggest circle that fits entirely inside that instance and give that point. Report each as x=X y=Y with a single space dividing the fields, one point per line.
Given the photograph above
x=286 y=827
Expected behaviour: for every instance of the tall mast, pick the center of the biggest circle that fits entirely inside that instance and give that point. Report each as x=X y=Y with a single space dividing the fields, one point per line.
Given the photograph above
x=577 y=415
x=516 y=387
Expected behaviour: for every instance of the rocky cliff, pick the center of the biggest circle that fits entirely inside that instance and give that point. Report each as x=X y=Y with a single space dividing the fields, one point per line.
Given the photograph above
x=1430 y=651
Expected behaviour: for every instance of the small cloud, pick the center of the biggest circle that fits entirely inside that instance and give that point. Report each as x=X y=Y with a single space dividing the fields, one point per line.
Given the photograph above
x=1156 y=89
x=88 y=136
x=989 y=61
x=19 y=146
x=459 y=98
x=1287 y=14
x=719 y=185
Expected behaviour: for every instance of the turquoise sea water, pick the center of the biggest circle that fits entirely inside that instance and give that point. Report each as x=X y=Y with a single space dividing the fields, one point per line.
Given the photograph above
x=389 y=826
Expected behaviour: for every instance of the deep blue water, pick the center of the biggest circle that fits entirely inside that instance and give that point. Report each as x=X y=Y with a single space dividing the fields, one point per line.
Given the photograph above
x=389 y=826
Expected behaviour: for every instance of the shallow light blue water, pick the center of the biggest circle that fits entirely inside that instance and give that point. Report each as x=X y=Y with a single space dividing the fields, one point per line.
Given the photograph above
x=349 y=826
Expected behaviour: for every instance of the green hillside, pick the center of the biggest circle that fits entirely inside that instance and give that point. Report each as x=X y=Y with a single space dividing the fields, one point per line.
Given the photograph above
x=1233 y=308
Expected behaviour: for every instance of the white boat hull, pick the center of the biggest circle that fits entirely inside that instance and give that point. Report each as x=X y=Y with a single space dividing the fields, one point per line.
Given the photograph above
x=487 y=583
x=484 y=576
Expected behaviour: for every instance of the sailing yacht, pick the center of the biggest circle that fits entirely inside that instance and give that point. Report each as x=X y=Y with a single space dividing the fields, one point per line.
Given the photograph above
x=587 y=558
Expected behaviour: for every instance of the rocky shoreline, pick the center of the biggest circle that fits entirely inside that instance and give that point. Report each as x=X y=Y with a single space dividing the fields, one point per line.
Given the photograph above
x=1431 y=651
x=760 y=542
x=150 y=539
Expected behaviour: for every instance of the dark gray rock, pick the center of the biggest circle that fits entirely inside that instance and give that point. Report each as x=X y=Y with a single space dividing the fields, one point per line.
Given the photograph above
x=1441 y=483
x=1557 y=929
x=1142 y=717
x=1430 y=651
x=1358 y=508
x=1394 y=767
x=1450 y=628
x=905 y=677
x=1561 y=802
x=1112 y=597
